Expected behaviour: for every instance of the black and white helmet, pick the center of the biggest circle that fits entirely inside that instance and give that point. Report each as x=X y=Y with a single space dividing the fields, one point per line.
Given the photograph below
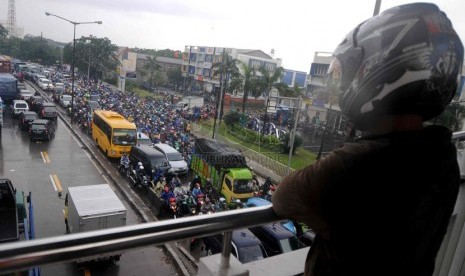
x=407 y=60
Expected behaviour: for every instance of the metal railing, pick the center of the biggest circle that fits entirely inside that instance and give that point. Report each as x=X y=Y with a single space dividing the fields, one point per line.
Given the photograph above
x=25 y=254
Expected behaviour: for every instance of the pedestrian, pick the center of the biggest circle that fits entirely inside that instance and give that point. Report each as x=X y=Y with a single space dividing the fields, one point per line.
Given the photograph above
x=381 y=205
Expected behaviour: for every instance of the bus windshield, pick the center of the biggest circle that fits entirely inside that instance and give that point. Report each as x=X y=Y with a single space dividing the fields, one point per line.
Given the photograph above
x=124 y=136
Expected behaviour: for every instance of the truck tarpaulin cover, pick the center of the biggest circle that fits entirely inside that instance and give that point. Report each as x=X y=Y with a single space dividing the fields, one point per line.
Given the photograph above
x=218 y=154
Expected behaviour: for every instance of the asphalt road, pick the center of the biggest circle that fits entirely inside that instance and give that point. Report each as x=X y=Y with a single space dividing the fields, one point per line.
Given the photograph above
x=40 y=167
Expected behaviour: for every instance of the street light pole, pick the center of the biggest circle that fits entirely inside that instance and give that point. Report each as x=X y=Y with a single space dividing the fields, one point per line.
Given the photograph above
x=74 y=53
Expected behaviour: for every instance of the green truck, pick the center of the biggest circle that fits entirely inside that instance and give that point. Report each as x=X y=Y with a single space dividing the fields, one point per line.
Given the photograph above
x=226 y=167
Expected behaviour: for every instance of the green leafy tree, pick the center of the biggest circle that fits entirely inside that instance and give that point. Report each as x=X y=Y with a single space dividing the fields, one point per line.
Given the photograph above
x=250 y=83
x=452 y=117
x=286 y=143
x=268 y=79
x=100 y=52
x=175 y=77
x=3 y=32
x=151 y=68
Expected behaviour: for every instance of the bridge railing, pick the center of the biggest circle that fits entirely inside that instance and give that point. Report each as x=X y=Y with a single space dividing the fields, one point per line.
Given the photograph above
x=25 y=254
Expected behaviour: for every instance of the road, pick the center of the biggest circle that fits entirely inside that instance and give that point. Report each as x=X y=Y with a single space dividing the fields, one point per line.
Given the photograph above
x=41 y=168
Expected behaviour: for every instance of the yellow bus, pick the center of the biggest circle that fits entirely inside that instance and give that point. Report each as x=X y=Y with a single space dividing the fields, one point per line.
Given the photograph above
x=113 y=133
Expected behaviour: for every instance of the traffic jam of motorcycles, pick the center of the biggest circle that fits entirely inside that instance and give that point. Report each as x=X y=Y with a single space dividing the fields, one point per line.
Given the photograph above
x=159 y=120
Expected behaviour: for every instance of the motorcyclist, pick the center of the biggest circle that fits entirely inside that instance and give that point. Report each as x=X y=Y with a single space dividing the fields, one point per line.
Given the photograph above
x=166 y=195
x=181 y=191
x=207 y=207
x=159 y=187
x=195 y=181
x=221 y=205
x=124 y=161
x=175 y=181
x=197 y=190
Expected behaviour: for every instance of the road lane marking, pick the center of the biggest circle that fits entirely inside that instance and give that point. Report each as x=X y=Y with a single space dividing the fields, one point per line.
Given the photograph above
x=56 y=183
x=45 y=156
x=93 y=162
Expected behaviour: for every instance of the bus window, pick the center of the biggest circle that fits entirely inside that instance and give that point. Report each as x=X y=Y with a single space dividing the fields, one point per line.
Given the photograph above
x=124 y=137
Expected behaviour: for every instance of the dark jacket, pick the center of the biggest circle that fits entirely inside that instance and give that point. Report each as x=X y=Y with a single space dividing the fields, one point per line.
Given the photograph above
x=379 y=206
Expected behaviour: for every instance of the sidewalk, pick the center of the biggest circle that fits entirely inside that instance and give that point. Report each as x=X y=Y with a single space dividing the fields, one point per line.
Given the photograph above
x=261 y=164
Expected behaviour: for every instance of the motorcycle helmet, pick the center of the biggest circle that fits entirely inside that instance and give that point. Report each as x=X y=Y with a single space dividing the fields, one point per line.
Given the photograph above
x=141 y=168
x=172 y=199
x=139 y=164
x=407 y=60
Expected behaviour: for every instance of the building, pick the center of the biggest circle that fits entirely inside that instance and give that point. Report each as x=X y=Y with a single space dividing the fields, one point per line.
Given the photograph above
x=318 y=106
x=198 y=64
x=293 y=78
x=133 y=66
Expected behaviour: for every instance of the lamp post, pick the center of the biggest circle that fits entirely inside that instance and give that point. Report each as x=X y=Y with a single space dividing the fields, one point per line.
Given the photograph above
x=74 y=52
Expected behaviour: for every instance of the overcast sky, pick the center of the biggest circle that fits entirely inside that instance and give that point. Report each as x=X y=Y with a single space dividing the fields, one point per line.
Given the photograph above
x=295 y=29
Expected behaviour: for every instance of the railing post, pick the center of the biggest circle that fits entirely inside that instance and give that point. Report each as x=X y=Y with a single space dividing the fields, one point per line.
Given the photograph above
x=226 y=250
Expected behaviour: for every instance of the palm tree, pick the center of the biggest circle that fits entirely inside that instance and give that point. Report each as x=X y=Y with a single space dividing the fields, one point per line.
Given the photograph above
x=226 y=68
x=250 y=83
x=269 y=79
x=151 y=67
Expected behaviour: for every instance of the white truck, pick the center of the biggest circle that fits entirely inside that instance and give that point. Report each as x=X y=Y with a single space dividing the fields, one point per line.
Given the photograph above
x=190 y=102
x=93 y=207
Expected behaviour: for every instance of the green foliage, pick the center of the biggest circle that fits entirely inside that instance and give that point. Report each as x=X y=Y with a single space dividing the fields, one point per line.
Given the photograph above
x=35 y=49
x=234 y=117
x=452 y=117
x=160 y=53
x=269 y=142
x=100 y=52
x=3 y=31
x=285 y=143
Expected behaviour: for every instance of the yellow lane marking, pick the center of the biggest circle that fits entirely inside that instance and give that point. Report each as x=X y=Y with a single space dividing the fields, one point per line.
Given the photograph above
x=86 y=272
x=45 y=156
x=56 y=183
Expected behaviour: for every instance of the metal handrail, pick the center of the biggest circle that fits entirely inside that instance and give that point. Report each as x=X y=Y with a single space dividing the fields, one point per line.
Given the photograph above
x=25 y=254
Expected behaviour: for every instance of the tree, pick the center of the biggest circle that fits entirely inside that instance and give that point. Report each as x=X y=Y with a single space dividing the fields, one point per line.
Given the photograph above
x=452 y=117
x=226 y=69
x=268 y=79
x=151 y=67
x=250 y=83
x=3 y=32
x=100 y=52
x=286 y=91
x=175 y=78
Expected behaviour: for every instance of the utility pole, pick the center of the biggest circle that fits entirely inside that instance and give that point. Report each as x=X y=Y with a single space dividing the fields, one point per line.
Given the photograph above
x=377 y=7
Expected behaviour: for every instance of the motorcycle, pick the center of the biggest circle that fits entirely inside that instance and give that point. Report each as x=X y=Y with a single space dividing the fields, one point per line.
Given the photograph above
x=138 y=179
x=123 y=168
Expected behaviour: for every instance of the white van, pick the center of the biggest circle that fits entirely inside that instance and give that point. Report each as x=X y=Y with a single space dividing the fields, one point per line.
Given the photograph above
x=143 y=139
x=19 y=106
x=177 y=162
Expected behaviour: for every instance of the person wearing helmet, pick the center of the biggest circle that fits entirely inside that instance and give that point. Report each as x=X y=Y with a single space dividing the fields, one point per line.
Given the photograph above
x=207 y=207
x=381 y=205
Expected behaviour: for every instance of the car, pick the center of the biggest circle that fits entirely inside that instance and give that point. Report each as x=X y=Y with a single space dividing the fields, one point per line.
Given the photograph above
x=151 y=158
x=45 y=84
x=48 y=111
x=276 y=238
x=41 y=129
x=35 y=103
x=245 y=246
x=65 y=100
x=36 y=77
x=26 y=118
x=25 y=94
x=19 y=106
x=258 y=201
x=177 y=162
x=60 y=87
x=21 y=86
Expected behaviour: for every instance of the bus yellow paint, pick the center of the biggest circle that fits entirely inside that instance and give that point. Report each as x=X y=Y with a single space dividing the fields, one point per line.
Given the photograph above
x=57 y=183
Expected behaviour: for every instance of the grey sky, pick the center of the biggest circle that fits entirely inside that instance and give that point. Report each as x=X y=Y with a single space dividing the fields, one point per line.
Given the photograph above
x=294 y=28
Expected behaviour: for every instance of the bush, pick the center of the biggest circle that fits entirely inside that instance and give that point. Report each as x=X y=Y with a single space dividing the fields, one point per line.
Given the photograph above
x=247 y=135
x=285 y=143
x=235 y=117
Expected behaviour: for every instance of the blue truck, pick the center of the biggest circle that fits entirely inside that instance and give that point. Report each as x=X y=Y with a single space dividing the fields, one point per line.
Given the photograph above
x=8 y=87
